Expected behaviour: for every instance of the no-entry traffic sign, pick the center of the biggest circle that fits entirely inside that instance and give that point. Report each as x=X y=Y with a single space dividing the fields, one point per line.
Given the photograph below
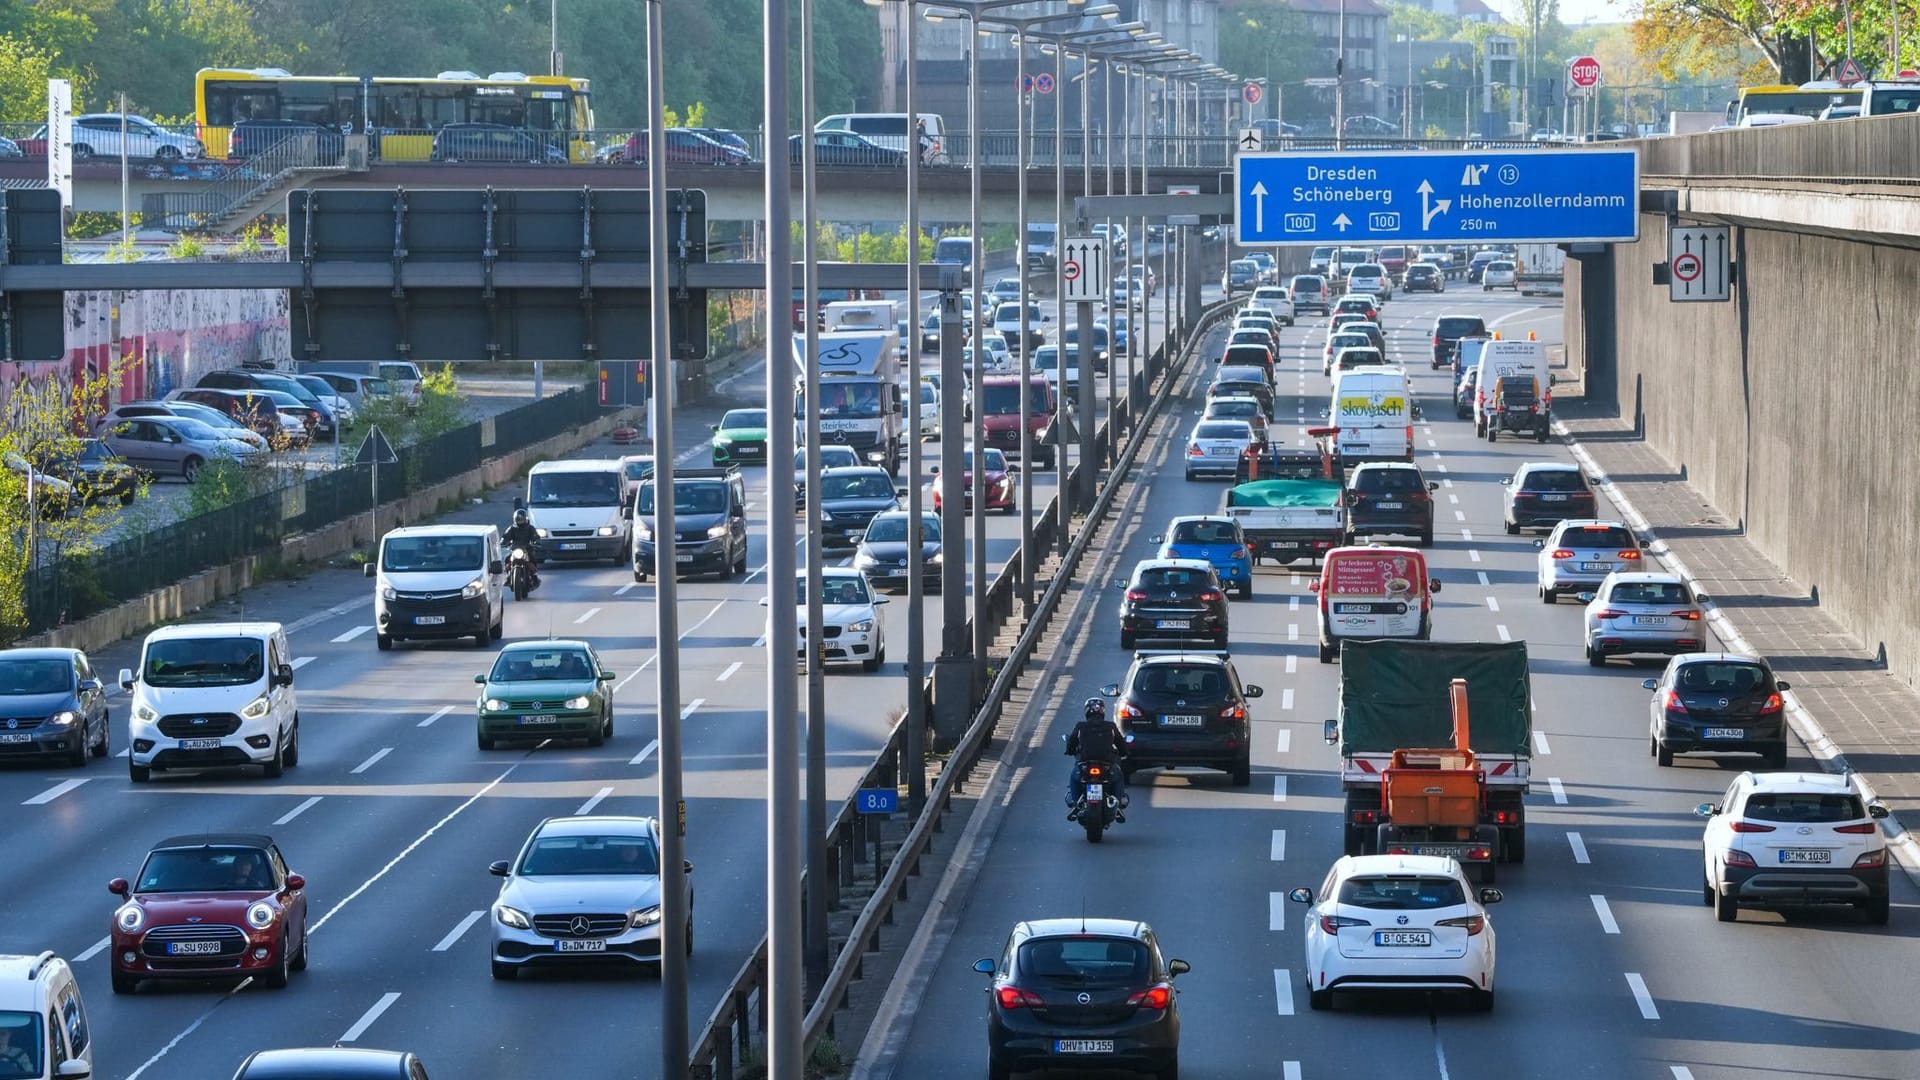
x=1584 y=72
x=1043 y=82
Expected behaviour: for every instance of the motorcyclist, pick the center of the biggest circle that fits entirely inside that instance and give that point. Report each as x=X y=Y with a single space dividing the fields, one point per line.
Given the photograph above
x=1096 y=738
x=522 y=534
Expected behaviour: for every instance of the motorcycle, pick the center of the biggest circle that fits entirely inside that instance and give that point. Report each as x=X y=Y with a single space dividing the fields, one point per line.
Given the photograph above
x=1096 y=810
x=520 y=573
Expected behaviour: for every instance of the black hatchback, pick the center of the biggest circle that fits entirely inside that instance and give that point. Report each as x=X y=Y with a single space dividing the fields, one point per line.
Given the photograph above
x=1085 y=993
x=1178 y=599
x=1390 y=498
x=1185 y=709
x=1717 y=703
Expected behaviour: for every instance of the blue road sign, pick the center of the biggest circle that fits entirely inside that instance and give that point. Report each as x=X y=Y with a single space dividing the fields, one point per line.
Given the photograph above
x=876 y=800
x=1450 y=196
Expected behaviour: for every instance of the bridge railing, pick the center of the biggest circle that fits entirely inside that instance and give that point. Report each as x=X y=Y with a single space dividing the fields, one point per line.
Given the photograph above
x=1866 y=148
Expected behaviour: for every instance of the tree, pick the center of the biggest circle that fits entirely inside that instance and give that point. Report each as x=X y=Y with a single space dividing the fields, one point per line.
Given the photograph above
x=24 y=71
x=1266 y=39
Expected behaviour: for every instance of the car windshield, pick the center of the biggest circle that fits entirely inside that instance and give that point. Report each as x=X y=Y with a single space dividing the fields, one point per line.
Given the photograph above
x=1459 y=326
x=1350 y=341
x=291 y=387
x=1246 y=266
x=1811 y=808
x=838 y=589
x=1239 y=373
x=205 y=661
x=637 y=470
x=831 y=457
x=1003 y=399
x=749 y=419
x=192 y=429
x=1222 y=429
x=892 y=529
x=206 y=869
x=20 y=1045
x=1086 y=961
x=599 y=856
x=1232 y=409
x=1501 y=265
x=1204 y=532
x=1402 y=893
x=693 y=497
x=856 y=486
x=1193 y=682
x=996 y=460
x=1554 y=480
x=1597 y=536
x=1359 y=357
x=1099 y=337
x=428 y=554
x=1723 y=677
x=858 y=401
x=49 y=676
x=1387 y=480
x=542 y=665
x=1174 y=578
x=556 y=489
x=1649 y=592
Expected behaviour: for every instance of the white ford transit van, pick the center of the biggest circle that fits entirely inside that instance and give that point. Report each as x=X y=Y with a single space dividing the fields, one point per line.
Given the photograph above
x=212 y=694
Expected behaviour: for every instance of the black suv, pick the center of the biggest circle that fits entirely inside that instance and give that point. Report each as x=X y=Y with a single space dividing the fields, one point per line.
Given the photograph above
x=849 y=500
x=1542 y=494
x=1423 y=277
x=1447 y=332
x=709 y=522
x=1390 y=498
x=51 y=705
x=1180 y=599
x=1185 y=709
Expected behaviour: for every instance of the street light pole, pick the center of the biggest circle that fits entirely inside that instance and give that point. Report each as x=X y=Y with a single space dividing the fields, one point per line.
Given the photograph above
x=553 y=42
x=1340 y=84
x=815 y=910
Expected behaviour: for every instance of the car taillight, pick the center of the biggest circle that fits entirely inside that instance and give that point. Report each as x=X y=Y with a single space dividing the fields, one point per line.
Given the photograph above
x=1153 y=997
x=1672 y=702
x=1332 y=923
x=1506 y=817
x=1561 y=553
x=1234 y=712
x=1472 y=924
x=1436 y=341
x=1136 y=594
x=1195 y=451
x=1748 y=826
x=1773 y=705
x=1862 y=829
x=1212 y=595
x=1608 y=613
x=1013 y=997
x=1129 y=712
x=1872 y=860
x=1365 y=817
x=1738 y=858
x=1687 y=613
x=1629 y=554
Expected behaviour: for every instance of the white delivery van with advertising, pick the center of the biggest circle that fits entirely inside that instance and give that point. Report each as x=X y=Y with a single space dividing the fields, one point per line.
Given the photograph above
x=1372 y=414
x=1509 y=357
x=860 y=402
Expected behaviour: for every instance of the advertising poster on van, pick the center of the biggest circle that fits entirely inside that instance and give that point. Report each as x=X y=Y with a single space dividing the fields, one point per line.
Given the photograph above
x=1361 y=574
x=1376 y=406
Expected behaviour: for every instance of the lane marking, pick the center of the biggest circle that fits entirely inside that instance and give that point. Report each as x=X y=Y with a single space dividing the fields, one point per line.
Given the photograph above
x=1293 y=603
x=1493 y=604
x=645 y=753
x=1278 y=851
x=442 y=711
x=1279 y=787
x=1540 y=745
x=1289 y=1070
x=1579 y=847
x=728 y=674
x=94 y=950
x=1501 y=629
x=1472 y=554
x=1459 y=515
x=1601 y=909
x=1559 y=793
x=372 y=761
x=624 y=589
x=296 y=811
x=1467 y=535
x=1483 y=577
x=1448 y=484
x=1285 y=741
x=692 y=707
x=585 y=615
x=1645 y=1000
x=1283 y=990
x=1452 y=498
x=1681 y=1072
x=1293 y=631
x=1286 y=702
x=353 y=633
x=459 y=928
x=361 y=1025
x=587 y=807
x=1276 y=911
x=56 y=791
x=1293 y=663
x=300 y=662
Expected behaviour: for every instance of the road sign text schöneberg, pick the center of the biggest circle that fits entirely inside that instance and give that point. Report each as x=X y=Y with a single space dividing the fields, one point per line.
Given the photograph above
x=1450 y=196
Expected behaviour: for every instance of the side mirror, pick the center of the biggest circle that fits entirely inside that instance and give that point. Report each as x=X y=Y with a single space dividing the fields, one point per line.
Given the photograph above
x=1300 y=896
x=934 y=470
x=686 y=866
x=1702 y=598
x=1595 y=480
x=1313 y=586
x=369 y=570
x=282 y=677
x=878 y=600
x=118 y=887
x=900 y=491
x=1011 y=470
x=1110 y=690
x=1491 y=896
x=1706 y=809
x=605 y=676
x=1178 y=967
x=1650 y=684
x=1156 y=539
x=1539 y=542
x=1253 y=691
x=126 y=678
x=984 y=966
x=763 y=601
x=498 y=567
x=1782 y=685
x=1506 y=481
x=1433 y=485
x=90 y=686
x=498 y=868
x=481 y=679
x=1585 y=597
x=75 y=1069
x=1330 y=731
x=1876 y=811
x=296 y=882
x=713 y=427
x=1433 y=584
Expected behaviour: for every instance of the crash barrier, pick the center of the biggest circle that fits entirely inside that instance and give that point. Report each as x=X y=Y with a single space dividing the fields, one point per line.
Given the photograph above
x=738 y=1023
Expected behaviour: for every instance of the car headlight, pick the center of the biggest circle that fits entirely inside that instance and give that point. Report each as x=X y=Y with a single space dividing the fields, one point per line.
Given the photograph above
x=64 y=718
x=933 y=558
x=864 y=560
x=494 y=704
x=256 y=708
x=386 y=591
x=645 y=916
x=129 y=918
x=261 y=915
x=876 y=455
x=580 y=702
x=824 y=516
x=642 y=530
x=861 y=627
x=145 y=714
x=513 y=917
x=540 y=532
x=474 y=588
x=715 y=532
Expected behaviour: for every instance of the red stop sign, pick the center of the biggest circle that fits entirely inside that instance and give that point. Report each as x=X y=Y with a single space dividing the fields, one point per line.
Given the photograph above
x=1584 y=72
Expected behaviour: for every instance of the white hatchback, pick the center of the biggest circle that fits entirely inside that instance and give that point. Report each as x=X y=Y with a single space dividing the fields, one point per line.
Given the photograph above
x=1215 y=446
x=1582 y=551
x=1398 y=922
x=1499 y=274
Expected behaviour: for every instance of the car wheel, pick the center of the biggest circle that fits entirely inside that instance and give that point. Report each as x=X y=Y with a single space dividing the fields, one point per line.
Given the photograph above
x=998 y=1071
x=1243 y=772
x=1596 y=659
x=101 y=748
x=293 y=743
x=1513 y=528
x=138 y=774
x=124 y=983
x=1725 y=907
x=1877 y=909
x=1706 y=889
x=1777 y=759
x=1318 y=1000
x=1516 y=845
x=1653 y=745
x=485 y=743
x=300 y=958
x=277 y=765
x=126 y=498
x=275 y=977
x=1171 y=1072
x=481 y=639
x=1661 y=755
x=1426 y=539
x=383 y=642
x=499 y=629
x=190 y=469
x=167 y=153
x=1246 y=588
x=1327 y=653
x=597 y=737
x=1480 y=1000
x=1126 y=639
x=640 y=577
x=606 y=729
x=504 y=971
x=1354 y=840
x=1493 y=433
x=1549 y=596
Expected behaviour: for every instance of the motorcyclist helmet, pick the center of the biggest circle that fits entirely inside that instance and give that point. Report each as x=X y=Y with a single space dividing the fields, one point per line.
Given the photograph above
x=1096 y=709
x=520 y=517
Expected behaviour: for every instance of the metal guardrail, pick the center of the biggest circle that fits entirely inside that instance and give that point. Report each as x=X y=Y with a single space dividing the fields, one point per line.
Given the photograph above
x=1831 y=151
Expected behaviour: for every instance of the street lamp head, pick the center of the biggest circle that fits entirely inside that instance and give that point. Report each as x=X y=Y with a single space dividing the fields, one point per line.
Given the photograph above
x=1103 y=11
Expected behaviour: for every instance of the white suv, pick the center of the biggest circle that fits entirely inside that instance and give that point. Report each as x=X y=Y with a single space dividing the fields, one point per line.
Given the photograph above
x=1370 y=278
x=1275 y=300
x=1790 y=839
x=43 y=1020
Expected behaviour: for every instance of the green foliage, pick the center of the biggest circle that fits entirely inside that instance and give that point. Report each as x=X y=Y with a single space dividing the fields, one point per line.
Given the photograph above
x=187 y=247
x=25 y=67
x=442 y=406
x=220 y=483
x=1267 y=39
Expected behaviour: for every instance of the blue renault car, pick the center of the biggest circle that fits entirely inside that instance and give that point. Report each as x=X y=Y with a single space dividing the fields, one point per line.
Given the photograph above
x=1214 y=540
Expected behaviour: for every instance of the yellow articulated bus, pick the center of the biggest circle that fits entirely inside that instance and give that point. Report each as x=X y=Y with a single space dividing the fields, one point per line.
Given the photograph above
x=1807 y=99
x=402 y=116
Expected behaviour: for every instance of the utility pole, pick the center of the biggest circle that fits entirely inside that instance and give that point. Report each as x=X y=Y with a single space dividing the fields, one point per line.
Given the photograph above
x=1339 y=86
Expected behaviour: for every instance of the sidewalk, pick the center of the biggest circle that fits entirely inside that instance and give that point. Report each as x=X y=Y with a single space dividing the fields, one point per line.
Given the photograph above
x=1850 y=711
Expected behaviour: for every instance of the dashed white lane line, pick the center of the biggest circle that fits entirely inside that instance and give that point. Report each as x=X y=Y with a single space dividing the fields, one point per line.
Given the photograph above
x=1579 y=847
x=760 y=642
x=438 y=713
x=366 y=1020
x=94 y=950
x=1640 y=996
x=1293 y=603
x=1472 y=554
x=1459 y=515
x=1681 y=1072
x=459 y=928
x=1467 y=535
x=1540 y=744
x=296 y=811
x=1286 y=700
x=585 y=615
x=1293 y=663
x=1502 y=631
x=372 y=761
x=645 y=753
x=1279 y=787
x=624 y=589
x=1289 y=1070
x=1293 y=631
x=1284 y=742
x=1483 y=577
x=1278 y=852
x=1447 y=484
x=1283 y=990
x=1559 y=793
x=353 y=633
x=1454 y=499
x=300 y=662
x=692 y=707
x=587 y=807
x=1493 y=604
x=55 y=792
x=727 y=674
x=1276 y=911
x=1605 y=913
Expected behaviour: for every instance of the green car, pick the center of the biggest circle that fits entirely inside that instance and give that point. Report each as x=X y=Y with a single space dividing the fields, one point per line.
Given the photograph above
x=741 y=435
x=545 y=690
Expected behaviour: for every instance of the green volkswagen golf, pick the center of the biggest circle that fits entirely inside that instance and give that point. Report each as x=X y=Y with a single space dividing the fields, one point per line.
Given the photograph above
x=740 y=436
x=545 y=690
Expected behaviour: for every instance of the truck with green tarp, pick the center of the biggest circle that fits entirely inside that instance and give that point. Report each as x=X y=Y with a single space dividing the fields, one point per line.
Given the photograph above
x=1395 y=695
x=1289 y=520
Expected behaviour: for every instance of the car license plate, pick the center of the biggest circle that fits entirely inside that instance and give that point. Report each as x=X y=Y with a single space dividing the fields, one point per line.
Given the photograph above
x=1806 y=855
x=539 y=718
x=199 y=744
x=1723 y=733
x=1282 y=545
x=1096 y=791
x=580 y=945
x=1183 y=720
x=193 y=948
x=1415 y=938
x=682 y=558
x=1387 y=506
x=1083 y=1046
x=12 y=738
x=1222 y=450
x=1649 y=620
x=1553 y=498
x=573 y=547
x=429 y=620
x=1173 y=624
x=1596 y=566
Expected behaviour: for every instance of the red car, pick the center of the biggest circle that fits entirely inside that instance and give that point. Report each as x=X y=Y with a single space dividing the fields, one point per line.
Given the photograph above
x=689 y=148
x=210 y=906
x=998 y=480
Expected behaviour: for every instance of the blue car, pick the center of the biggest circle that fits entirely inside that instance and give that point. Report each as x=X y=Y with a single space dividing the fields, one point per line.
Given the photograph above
x=1214 y=540
x=1116 y=329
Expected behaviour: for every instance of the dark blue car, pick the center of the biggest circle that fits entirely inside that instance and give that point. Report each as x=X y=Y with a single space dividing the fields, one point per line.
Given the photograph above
x=1214 y=540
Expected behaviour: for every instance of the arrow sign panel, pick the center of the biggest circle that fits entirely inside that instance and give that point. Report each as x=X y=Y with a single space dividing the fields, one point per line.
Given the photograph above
x=1450 y=196
x=1698 y=264
x=1083 y=270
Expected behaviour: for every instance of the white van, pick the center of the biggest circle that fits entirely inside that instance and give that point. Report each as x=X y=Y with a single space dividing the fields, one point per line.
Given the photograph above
x=43 y=1020
x=890 y=130
x=1499 y=358
x=212 y=694
x=439 y=581
x=580 y=510
x=1373 y=408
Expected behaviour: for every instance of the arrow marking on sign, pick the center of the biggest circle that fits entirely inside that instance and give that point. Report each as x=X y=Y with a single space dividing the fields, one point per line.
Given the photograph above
x=1342 y=222
x=1428 y=213
x=1259 y=193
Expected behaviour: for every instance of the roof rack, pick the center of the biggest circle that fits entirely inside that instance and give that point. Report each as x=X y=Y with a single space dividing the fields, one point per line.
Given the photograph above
x=39 y=964
x=1142 y=654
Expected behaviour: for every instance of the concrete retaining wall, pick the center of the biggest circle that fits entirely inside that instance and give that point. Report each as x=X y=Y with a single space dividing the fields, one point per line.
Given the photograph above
x=1791 y=408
